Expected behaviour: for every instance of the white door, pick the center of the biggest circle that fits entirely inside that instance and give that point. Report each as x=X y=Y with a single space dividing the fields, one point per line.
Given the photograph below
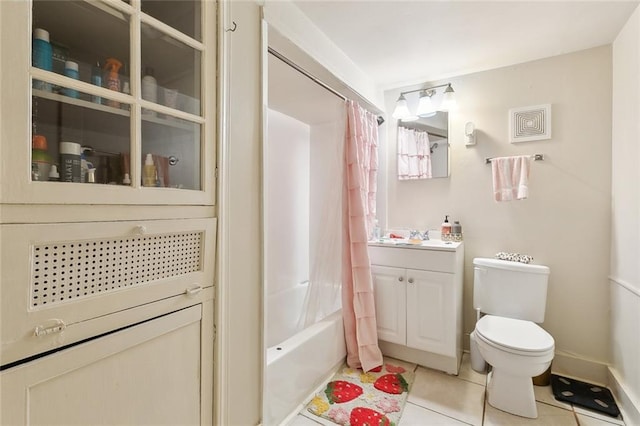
x=431 y=312
x=145 y=374
x=390 y=296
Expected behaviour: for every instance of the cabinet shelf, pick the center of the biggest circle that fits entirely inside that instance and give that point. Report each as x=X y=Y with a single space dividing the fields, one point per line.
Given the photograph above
x=174 y=123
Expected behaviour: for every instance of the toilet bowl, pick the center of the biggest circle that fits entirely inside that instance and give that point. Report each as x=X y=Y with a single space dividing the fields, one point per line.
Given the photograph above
x=517 y=350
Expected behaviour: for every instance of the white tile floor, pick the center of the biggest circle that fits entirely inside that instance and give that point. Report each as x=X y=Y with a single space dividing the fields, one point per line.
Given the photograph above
x=438 y=399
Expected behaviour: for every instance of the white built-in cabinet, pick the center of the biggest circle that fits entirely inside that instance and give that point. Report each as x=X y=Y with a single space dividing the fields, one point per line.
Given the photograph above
x=418 y=295
x=107 y=284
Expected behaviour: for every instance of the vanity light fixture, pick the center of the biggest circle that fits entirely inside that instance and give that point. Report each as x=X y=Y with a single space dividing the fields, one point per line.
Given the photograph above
x=425 y=105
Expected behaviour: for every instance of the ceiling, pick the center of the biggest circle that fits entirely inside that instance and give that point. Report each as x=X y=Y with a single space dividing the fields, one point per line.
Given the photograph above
x=406 y=42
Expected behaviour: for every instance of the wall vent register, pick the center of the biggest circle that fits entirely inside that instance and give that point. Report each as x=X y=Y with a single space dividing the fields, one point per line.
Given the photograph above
x=67 y=271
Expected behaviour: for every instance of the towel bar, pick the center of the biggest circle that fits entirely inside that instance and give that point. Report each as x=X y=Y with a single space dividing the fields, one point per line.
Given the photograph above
x=536 y=157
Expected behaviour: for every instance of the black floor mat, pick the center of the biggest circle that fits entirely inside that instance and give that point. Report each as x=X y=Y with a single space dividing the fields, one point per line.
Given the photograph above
x=584 y=394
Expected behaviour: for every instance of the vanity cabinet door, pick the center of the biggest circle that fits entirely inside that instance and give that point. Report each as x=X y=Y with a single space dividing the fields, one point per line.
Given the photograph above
x=391 y=303
x=430 y=312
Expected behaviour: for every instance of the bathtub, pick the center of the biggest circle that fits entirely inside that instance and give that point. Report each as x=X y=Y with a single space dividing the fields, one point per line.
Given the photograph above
x=298 y=365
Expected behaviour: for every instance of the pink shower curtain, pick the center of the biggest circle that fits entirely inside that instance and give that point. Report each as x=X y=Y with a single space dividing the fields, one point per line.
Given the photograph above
x=359 y=210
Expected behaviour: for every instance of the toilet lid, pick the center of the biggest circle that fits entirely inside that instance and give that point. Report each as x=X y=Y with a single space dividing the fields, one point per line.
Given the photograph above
x=525 y=336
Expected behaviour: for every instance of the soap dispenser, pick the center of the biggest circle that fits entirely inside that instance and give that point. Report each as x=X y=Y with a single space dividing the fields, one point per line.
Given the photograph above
x=445 y=230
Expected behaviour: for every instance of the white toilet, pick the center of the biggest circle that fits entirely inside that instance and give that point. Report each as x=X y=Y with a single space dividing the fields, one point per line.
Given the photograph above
x=513 y=298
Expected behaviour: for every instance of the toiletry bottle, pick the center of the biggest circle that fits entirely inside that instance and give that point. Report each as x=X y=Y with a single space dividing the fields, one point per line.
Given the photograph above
x=41 y=56
x=149 y=89
x=456 y=231
x=54 y=176
x=445 y=230
x=70 y=161
x=71 y=70
x=83 y=167
x=127 y=91
x=126 y=180
x=91 y=175
x=40 y=159
x=112 y=79
x=96 y=79
x=375 y=235
x=149 y=172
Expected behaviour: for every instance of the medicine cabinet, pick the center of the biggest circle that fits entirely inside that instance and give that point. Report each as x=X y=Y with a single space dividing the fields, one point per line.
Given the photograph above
x=129 y=86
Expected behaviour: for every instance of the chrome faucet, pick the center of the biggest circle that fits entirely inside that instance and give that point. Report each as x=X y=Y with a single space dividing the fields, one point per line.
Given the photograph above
x=417 y=235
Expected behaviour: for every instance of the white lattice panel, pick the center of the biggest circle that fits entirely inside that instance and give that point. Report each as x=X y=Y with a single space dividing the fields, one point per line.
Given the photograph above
x=71 y=270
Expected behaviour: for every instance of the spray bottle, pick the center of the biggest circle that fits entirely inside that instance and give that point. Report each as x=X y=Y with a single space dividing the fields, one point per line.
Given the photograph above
x=112 y=78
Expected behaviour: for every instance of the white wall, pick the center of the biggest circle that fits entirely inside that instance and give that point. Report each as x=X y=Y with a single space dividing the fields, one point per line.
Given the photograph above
x=565 y=222
x=286 y=176
x=284 y=16
x=625 y=238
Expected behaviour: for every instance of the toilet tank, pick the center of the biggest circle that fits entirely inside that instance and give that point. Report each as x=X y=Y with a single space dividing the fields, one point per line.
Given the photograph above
x=510 y=289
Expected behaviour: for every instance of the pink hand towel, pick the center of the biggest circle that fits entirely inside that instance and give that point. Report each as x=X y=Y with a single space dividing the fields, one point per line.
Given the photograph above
x=510 y=177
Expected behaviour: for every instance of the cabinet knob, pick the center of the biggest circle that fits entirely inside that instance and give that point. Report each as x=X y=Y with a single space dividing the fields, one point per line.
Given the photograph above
x=400 y=279
x=140 y=230
x=410 y=280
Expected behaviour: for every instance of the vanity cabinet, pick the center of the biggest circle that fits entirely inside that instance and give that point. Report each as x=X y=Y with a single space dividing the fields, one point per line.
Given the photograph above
x=418 y=295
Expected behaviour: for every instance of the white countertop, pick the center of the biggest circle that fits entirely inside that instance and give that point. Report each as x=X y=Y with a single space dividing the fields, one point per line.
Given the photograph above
x=428 y=244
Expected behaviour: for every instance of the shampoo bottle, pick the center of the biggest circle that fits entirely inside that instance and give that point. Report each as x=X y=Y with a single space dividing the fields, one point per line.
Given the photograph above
x=149 y=172
x=445 y=230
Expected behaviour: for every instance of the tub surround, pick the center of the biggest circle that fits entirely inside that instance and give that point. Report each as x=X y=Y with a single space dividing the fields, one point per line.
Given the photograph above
x=418 y=292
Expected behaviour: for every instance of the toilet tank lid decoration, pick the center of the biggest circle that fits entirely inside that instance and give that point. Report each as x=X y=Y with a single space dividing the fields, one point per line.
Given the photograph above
x=514 y=257
x=511 y=266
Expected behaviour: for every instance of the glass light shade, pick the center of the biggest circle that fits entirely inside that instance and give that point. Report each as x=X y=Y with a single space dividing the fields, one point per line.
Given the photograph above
x=409 y=118
x=401 y=111
x=448 y=99
x=425 y=106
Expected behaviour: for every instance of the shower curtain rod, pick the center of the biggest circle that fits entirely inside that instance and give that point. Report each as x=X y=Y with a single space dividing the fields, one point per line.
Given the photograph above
x=312 y=77
x=428 y=132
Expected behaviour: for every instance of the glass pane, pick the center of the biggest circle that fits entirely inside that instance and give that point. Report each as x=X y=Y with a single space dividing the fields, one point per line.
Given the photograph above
x=171 y=153
x=88 y=41
x=87 y=141
x=170 y=72
x=183 y=15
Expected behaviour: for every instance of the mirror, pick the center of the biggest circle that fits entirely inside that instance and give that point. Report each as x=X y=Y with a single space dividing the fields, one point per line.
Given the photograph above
x=423 y=147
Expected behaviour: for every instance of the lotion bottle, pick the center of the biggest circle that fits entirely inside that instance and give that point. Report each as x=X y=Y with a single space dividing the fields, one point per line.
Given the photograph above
x=445 y=229
x=149 y=172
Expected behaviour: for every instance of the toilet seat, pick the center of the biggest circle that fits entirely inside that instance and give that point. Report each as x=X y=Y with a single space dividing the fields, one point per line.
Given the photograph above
x=513 y=335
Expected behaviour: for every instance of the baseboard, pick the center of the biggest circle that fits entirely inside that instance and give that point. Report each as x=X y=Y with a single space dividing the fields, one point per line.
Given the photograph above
x=626 y=402
x=579 y=368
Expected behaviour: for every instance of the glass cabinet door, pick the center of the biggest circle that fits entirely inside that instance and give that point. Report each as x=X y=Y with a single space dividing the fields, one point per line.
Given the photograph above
x=118 y=99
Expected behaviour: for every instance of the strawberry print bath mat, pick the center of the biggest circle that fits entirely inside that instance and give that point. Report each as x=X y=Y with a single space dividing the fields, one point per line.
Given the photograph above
x=356 y=398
